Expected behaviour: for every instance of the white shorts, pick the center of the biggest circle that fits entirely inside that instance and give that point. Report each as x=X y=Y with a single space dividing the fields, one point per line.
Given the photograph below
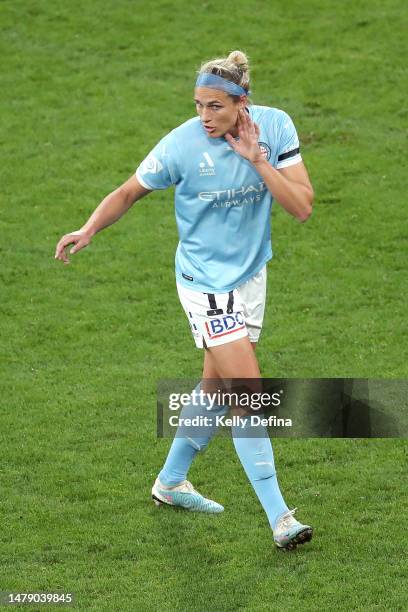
x=218 y=318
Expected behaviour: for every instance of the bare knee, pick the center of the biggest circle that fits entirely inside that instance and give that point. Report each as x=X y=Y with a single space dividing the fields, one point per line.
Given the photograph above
x=235 y=359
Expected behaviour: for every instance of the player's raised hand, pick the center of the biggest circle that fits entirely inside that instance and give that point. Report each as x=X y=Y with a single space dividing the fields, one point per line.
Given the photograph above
x=79 y=239
x=247 y=146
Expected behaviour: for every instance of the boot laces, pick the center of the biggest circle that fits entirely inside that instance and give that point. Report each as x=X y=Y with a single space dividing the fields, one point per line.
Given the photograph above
x=288 y=519
x=187 y=484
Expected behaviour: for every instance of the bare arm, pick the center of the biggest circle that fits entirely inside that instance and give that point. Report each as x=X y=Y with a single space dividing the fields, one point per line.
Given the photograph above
x=109 y=210
x=290 y=186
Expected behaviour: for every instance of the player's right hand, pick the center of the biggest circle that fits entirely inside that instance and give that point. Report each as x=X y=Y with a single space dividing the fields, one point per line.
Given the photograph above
x=79 y=239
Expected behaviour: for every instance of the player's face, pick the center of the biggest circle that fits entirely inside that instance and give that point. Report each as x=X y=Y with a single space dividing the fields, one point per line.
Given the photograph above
x=218 y=111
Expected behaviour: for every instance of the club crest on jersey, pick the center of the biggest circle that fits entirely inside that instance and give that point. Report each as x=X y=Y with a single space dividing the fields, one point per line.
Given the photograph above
x=228 y=324
x=265 y=150
x=207 y=167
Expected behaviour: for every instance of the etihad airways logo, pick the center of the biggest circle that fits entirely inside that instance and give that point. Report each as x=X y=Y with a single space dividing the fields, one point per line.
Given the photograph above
x=247 y=194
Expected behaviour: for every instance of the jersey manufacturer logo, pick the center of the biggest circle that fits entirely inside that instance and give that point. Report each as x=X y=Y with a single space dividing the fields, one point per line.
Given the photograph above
x=207 y=167
x=228 y=324
x=265 y=150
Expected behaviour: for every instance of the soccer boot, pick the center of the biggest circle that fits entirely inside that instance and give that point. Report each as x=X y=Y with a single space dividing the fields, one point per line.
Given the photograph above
x=288 y=532
x=185 y=496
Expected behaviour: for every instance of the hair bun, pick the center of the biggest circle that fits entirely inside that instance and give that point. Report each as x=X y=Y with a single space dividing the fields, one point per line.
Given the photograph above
x=233 y=68
x=239 y=59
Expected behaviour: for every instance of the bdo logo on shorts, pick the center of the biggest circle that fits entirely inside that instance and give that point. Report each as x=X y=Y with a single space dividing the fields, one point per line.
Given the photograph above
x=228 y=324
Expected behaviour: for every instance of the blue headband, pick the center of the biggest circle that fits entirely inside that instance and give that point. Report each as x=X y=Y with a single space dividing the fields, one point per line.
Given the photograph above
x=214 y=81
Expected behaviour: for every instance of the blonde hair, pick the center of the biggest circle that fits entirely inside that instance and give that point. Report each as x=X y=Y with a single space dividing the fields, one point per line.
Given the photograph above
x=234 y=68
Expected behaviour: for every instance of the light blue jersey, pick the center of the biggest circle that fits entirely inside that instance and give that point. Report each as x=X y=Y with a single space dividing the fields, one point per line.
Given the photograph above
x=223 y=208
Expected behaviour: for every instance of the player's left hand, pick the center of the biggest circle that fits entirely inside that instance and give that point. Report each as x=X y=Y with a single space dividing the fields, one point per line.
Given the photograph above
x=247 y=146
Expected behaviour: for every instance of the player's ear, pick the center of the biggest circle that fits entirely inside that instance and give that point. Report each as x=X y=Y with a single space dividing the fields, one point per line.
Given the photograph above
x=242 y=102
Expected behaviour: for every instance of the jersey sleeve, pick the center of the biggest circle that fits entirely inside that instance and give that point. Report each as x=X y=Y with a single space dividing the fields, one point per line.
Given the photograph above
x=159 y=169
x=288 y=143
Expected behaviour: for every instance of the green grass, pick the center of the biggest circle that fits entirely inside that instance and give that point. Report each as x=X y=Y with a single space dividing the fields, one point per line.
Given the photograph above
x=87 y=89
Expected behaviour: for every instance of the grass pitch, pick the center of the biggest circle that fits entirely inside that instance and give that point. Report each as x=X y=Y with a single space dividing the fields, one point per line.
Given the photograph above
x=87 y=89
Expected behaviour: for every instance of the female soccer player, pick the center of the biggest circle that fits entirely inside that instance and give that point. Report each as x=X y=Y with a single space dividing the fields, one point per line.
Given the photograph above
x=227 y=165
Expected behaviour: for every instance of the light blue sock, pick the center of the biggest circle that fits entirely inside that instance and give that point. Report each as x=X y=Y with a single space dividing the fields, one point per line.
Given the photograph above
x=256 y=455
x=188 y=442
